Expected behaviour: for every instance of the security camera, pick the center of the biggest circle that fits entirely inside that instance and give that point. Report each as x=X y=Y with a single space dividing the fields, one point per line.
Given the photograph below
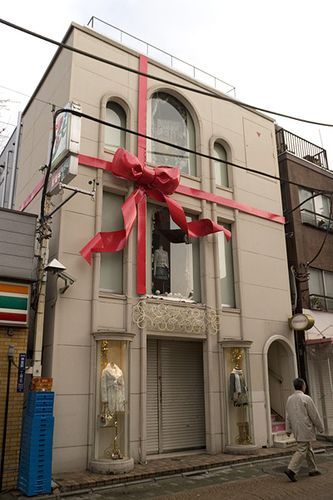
x=55 y=266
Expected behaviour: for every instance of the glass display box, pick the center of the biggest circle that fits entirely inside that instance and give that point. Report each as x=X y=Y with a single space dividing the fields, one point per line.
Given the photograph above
x=237 y=391
x=112 y=406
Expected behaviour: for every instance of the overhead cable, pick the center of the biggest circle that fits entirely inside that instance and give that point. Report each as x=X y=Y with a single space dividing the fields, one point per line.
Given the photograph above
x=212 y=94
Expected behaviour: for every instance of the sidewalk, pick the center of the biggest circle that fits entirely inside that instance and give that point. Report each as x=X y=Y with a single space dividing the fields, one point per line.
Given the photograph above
x=162 y=467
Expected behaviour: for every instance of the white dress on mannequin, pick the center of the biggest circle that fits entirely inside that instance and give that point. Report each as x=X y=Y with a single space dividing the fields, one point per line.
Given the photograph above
x=113 y=388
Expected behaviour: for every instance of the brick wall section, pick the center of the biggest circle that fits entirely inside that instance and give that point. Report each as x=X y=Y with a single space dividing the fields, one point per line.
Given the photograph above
x=15 y=408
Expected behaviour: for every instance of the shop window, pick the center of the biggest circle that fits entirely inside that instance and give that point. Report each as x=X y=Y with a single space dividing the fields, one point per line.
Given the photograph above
x=115 y=138
x=111 y=278
x=170 y=121
x=321 y=290
x=173 y=258
x=221 y=168
x=226 y=271
x=315 y=211
x=112 y=406
x=236 y=371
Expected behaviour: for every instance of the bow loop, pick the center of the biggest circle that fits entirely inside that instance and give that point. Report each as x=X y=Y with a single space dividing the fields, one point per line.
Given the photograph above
x=127 y=166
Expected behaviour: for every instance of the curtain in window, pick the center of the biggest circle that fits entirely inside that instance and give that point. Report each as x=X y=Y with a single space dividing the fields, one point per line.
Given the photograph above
x=115 y=114
x=111 y=278
x=221 y=169
x=226 y=270
x=171 y=122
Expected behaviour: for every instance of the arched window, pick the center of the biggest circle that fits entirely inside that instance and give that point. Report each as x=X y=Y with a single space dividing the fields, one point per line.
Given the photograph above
x=115 y=114
x=221 y=169
x=170 y=121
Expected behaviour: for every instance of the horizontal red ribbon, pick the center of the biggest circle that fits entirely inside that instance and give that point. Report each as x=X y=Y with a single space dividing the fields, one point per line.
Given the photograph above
x=156 y=183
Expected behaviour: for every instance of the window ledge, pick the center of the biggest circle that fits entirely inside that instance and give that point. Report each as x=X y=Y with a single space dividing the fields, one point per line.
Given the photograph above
x=106 y=294
x=171 y=299
x=230 y=310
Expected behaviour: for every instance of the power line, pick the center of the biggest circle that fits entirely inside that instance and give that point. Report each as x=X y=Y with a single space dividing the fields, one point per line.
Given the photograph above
x=162 y=80
x=166 y=143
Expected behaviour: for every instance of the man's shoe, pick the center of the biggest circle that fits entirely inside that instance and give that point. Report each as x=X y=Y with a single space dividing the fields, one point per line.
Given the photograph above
x=315 y=473
x=291 y=474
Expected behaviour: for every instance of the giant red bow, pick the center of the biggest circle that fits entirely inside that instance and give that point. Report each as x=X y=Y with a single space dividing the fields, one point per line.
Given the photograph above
x=158 y=183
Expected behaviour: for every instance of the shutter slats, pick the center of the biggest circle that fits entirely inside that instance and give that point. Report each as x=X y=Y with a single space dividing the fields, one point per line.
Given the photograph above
x=182 y=416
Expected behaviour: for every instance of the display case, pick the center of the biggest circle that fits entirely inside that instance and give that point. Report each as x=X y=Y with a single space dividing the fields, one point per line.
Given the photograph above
x=237 y=394
x=112 y=406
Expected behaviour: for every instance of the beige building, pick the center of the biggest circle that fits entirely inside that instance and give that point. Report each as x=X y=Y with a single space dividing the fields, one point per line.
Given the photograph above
x=201 y=358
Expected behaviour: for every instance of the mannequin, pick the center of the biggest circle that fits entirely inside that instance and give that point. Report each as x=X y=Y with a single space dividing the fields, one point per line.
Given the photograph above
x=161 y=264
x=113 y=388
x=238 y=389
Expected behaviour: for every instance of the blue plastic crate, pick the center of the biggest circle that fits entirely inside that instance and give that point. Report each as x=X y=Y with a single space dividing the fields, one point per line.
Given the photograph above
x=34 y=488
x=34 y=476
x=40 y=396
x=37 y=420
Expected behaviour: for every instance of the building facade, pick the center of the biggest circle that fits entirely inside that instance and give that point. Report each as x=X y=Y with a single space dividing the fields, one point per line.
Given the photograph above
x=17 y=273
x=309 y=239
x=172 y=343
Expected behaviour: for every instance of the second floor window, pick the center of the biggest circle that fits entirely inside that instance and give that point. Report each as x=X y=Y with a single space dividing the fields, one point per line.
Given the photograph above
x=170 y=121
x=173 y=262
x=111 y=278
x=226 y=271
x=315 y=211
x=115 y=138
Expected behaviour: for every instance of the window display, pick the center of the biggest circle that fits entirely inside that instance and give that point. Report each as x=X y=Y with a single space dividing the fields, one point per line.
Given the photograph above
x=238 y=396
x=174 y=259
x=112 y=364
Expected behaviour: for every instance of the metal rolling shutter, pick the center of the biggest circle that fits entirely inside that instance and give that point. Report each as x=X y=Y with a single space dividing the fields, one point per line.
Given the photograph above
x=179 y=413
x=152 y=397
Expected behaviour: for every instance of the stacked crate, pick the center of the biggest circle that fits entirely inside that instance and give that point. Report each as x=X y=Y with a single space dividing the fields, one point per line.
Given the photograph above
x=35 y=469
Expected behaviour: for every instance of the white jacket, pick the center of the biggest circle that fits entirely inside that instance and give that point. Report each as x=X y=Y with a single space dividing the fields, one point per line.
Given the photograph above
x=302 y=417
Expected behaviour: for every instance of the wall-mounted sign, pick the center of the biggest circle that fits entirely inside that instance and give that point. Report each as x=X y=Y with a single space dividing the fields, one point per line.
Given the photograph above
x=68 y=133
x=14 y=304
x=21 y=372
x=63 y=174
x=301 y=321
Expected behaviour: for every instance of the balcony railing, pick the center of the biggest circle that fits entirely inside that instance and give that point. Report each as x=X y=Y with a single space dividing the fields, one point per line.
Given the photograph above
x=160 y=55
x=321 y=302
x=287 y=141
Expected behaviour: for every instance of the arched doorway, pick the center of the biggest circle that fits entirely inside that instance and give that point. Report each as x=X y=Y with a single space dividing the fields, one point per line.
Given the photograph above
x=281 y=369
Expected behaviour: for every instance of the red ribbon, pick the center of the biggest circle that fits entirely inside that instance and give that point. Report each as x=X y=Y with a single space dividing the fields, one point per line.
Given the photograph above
x=156 y=183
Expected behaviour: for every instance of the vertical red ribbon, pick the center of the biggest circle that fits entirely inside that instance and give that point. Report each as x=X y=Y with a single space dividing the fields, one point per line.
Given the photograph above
x=142 y=205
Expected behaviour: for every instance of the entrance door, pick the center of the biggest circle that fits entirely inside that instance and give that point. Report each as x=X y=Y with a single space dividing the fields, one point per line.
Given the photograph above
x=175 y=396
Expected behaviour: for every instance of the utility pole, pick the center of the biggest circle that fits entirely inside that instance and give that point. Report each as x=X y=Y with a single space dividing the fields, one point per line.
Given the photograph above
x=44 y=238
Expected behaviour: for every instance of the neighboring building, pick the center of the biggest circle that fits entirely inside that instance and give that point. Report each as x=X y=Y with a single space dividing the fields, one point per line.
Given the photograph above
x=17 y=273
x=8 y=169
x=309 y=236
x=211 y=308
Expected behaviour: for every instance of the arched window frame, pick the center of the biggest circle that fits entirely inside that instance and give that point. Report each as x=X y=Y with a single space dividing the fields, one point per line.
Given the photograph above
x=117 y=136
x=192 y=170
x=222 y=173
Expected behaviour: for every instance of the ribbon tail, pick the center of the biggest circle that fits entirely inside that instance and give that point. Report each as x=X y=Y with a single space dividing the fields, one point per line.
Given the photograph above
x=88 y=249
x=114 y=241
x=203 y=227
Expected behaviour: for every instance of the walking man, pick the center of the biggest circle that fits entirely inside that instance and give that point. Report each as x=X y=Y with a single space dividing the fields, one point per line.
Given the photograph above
x=302 y=418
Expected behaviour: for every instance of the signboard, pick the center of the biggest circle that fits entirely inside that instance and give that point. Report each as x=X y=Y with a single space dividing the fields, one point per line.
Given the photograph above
x=68 y=133
x=300 y=322
x=14 y=304
x=63 y=174
x=21 y=372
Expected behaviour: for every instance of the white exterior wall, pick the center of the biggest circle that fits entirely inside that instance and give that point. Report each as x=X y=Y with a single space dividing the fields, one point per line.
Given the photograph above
x=261 y=277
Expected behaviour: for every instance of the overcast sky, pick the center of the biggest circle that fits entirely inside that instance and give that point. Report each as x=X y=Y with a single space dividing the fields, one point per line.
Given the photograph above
x=278 y=54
